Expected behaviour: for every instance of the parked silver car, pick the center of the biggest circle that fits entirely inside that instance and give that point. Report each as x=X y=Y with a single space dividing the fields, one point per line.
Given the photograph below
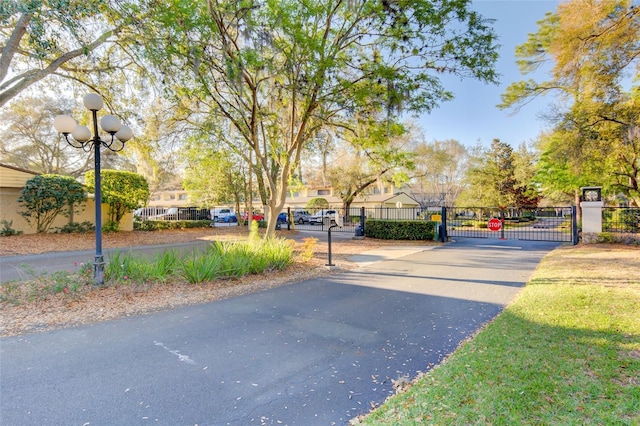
x=301 y=217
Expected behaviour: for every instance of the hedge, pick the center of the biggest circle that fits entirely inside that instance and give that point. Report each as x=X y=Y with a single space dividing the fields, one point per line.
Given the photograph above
x=157 y=225
x=422 y=230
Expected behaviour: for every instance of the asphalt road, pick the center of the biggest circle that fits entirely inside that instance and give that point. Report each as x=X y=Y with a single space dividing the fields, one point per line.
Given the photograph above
x=317 y=352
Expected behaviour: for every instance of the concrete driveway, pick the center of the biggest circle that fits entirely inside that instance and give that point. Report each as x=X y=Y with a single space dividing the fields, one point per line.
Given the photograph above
x=317 y=352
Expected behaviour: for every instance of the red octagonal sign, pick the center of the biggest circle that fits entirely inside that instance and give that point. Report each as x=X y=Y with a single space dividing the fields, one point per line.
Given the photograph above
x=494 y=224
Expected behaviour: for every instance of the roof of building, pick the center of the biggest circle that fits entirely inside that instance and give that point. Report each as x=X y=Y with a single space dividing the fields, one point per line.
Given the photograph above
x=14 y=177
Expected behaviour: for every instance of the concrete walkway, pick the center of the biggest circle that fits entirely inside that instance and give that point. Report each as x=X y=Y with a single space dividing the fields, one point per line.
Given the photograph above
x=378 y=255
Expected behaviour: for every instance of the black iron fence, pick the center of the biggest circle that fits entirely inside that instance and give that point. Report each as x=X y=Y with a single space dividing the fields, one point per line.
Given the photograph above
x=172 y=213
x=621 y=219
x=543 y=224
x=539 y=224
x=352 y=219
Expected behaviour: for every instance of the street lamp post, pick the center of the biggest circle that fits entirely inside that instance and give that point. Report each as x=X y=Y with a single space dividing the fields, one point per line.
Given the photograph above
x=81 y=138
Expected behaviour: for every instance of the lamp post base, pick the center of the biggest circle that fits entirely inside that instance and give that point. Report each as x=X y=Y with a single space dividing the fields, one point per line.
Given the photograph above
x=98 y=270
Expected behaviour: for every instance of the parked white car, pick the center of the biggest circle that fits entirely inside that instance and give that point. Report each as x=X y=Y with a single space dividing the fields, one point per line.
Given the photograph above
x=169 y=214
x=321 y=215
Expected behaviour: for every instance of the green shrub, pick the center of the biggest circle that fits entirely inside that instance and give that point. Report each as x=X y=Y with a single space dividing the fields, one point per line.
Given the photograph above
x=159 y=225
x=7 y=229
x=528 y=215
x=221 y=259
x=76 y=228
x=200 y=268
x=44 y=197
x=400 y=230
x=145 y=225
x=122 y=191
x=623 y=220
x=111 y=226
x=124 y=267
x=612 y=238
x=261 y=223
x=317 y=204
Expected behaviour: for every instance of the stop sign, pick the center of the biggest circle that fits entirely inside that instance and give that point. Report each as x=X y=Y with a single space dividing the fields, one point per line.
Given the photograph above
x=494 y=224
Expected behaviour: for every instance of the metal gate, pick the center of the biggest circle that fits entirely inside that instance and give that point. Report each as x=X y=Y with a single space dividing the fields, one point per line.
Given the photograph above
x=322 y=220
x=540 y=224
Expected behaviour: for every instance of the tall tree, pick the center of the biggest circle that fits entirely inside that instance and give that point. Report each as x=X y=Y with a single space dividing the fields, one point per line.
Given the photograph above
x=28 y=139
x=378 y=150
x=39 y=38
x=439 y=173
x=215 y=176
x=156 y=150
x=558 y=175
x=280 y=71
x=492 y=178
x=527 y=193
x=122 y=191
x=594 y=47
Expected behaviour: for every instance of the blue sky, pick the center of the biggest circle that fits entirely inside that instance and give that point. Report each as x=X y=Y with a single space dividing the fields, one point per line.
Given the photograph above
x=472 y=116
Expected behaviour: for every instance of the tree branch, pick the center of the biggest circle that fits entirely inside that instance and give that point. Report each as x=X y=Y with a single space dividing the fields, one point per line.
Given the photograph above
x=10 y=48
x=36 y=76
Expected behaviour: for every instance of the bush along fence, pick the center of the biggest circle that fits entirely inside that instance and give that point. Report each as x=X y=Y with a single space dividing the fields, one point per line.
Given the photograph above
x=612 y=225
x=401 y=230
x=621 y=219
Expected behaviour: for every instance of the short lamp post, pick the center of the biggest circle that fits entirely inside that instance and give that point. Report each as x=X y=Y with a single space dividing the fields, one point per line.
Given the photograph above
x=81 y=138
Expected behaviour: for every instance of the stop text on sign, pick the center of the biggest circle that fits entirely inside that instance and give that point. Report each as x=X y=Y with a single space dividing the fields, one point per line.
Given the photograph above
x=494 y=224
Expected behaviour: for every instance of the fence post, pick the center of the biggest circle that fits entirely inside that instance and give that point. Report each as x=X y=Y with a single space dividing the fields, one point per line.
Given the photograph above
x=574 y=225
x=360 y=229
x=592 y=216
x=443 y=225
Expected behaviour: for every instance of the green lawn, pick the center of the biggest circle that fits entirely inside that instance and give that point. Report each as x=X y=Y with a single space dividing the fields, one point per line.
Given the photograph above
x=566 y=352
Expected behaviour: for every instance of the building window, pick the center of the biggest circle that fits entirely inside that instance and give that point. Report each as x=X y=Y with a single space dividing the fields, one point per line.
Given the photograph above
x=182 y=197
x=324 y=192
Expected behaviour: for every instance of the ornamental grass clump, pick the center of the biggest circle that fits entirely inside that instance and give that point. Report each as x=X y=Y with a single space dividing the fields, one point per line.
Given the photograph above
x=253 y=257
x=201 y=267
x=277 y=253
x=127 y=267
x=236 y=258
x=219 y=260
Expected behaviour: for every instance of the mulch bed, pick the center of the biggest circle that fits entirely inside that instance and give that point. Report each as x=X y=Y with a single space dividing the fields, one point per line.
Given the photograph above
x=120 y=300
